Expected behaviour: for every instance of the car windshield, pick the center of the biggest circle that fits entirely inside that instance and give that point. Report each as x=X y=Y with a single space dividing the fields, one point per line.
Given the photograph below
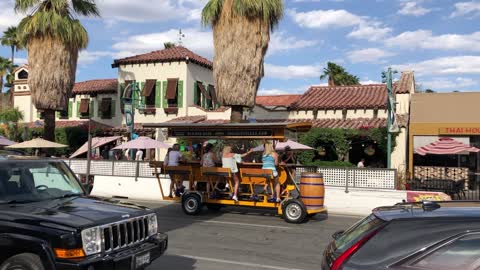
x=31 y=181
x=356 y=232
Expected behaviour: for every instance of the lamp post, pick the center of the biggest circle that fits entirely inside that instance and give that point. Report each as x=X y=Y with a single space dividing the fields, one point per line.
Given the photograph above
x=129 y=101
x=392 y=126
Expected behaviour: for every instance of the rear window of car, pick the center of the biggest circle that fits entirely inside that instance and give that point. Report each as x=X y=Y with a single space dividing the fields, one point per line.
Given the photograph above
x=357 y=232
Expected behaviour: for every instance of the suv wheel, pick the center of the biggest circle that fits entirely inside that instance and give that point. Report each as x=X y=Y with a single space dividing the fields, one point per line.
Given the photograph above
x=25 y=261
x=294 y=211
x=191 y=204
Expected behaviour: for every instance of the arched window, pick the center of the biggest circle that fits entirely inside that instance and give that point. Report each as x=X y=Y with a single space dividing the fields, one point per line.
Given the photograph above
x=23 y=75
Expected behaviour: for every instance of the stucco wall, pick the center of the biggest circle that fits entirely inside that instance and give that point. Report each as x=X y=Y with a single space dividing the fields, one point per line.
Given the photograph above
x=399 y=155
x=197 y=73
x=160 y=72
x=403 y=103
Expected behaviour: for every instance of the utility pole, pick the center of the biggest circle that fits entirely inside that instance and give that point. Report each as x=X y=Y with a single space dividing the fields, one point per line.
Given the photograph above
x=129 y=102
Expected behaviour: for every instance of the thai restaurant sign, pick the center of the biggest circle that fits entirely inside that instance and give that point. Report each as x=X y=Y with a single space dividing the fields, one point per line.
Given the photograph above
x=460 y=131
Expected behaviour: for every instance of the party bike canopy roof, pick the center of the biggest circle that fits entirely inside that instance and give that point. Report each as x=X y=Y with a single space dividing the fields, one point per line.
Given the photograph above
x=278 y=131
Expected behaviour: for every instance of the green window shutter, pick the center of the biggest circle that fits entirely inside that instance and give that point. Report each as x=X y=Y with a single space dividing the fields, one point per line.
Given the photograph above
x=78 y=109
x=195 y=93
x=70 y=108
x=164 y=95
x=158 y=94
x=91 y=110
x=57 y=114
x=180 y=94
x=113 y=108
x=142 y=96
x=122 y=90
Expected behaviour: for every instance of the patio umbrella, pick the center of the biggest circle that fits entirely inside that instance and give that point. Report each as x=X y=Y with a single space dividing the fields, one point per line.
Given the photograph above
x=446 y=146
x=36 y=143
x=96 y=142
x=5 y=142
x=142 y=143
x=280 y=146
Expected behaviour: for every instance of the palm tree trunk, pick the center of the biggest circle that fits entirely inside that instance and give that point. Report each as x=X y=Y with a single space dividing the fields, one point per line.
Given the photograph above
x=49 y=128
x=13 y=54
x=237 y=114
x=331 y=82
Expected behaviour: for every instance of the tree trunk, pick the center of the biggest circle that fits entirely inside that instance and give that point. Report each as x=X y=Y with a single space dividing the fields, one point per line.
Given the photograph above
x=13 y=54
x=240 y=46
x=237 y=114
x=331 y=82
x=49 y=125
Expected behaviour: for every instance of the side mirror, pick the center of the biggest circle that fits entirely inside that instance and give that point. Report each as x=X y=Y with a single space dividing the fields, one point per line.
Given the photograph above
x=337 y=234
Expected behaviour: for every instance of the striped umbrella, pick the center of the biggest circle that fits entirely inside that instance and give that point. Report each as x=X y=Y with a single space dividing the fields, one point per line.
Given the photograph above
x=446 y=146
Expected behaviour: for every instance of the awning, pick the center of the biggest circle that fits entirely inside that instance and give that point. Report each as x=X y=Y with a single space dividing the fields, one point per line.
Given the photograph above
x=446 y=146
x=96 y=142
x=36 y=143
x=106 y=105
x=211 y=89
x=172 y=88
x=148 y=88
x=204 y=92
x=84 y=106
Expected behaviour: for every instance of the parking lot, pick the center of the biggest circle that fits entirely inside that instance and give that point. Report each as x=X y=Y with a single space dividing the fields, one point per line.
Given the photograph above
x=235 y=238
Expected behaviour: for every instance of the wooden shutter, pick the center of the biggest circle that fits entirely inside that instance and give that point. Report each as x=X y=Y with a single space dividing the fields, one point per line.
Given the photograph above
x=122 y=90
x=158 y=94
x=58 y=114
x=78 y=109
x=164 y=95
x=195 y=93
x=180 y=94
x=70 y=108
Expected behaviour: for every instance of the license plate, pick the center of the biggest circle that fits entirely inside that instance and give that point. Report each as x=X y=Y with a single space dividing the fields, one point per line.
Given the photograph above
x=142 y=260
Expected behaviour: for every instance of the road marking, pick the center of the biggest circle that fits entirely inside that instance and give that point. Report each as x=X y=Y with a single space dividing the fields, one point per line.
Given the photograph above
x=246 y=224
x=238 y=263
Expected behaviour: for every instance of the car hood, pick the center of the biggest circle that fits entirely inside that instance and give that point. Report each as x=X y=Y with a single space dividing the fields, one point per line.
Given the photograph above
x=77 y=213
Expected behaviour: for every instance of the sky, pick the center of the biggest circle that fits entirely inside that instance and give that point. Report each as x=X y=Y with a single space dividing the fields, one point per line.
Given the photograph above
x=438 y=39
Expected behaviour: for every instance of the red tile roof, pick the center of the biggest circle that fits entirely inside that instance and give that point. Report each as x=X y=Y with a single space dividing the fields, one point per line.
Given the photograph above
x=166 y=55
x=343 y=97
x=357 y=123
x=278 y=100
x=68 y=123
x=407 y=80
x=104 y=86
x=189 y=119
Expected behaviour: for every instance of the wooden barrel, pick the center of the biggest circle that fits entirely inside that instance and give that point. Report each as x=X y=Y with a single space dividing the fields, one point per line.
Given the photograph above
x=312 y=190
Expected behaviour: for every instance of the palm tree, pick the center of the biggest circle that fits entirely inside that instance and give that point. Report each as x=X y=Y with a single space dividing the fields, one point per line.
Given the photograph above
x=5 y=67
x=241 y=33
x=53 y=37
x=10 y=38
x=11 y=117
x=338 y=76
x=169 y=45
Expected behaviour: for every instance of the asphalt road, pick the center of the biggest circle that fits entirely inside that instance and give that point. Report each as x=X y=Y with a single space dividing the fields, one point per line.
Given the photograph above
x=237 y=238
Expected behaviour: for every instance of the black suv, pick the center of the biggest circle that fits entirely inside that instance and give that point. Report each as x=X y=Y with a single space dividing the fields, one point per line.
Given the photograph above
x=427 y=235
x=48 y=222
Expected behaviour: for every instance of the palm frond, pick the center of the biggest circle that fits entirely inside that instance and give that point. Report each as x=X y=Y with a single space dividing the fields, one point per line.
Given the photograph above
x=23 y=6
x=85 y=8
x=270 y=11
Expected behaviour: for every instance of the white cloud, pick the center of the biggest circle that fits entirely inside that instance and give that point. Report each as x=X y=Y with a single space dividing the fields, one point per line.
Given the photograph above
x=369 y=55
x=467 y=64
x=280 y=42
x=200 y=42
x=8 y=17
x=425 y=39
x=412 y=8
x=89 y=57
x=369 y=82
x=140 y=11
x=364 y=27
x=446 y=83
x=273 y=92
x=466 y=8
x=292 y=71
x=20 y=61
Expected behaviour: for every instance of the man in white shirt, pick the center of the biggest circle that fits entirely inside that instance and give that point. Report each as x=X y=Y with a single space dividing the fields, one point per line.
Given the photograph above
x=361 y=163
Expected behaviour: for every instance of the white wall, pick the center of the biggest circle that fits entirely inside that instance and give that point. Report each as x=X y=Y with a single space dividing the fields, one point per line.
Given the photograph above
x=197 y=73
x=403 y=103
x=399 y=155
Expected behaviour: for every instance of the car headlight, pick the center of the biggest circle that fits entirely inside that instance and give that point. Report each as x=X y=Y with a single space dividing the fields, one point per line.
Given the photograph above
x=152 y=224
x=92 y=241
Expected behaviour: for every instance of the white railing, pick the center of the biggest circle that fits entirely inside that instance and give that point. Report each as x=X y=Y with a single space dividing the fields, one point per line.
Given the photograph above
x=357 y=178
